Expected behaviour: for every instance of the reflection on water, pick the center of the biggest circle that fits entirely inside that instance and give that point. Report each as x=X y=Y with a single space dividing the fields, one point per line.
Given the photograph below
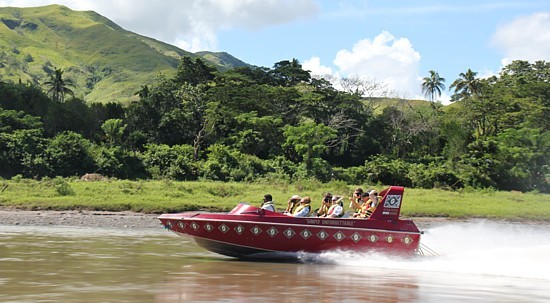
x=478 y=262
x=235 y=281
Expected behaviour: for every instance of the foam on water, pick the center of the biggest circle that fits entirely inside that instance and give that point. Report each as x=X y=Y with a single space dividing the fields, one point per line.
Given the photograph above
x=482 y=248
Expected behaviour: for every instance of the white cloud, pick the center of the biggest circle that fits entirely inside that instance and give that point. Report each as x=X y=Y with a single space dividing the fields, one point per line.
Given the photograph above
x=191 y=24
x=525 y=38
x=314 y=66
x=385 y=59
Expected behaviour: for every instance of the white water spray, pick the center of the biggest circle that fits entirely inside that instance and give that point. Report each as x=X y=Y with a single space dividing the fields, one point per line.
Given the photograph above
x=480 y=248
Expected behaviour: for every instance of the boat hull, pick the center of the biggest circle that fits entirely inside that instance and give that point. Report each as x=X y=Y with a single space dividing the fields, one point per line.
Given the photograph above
x=250 y=232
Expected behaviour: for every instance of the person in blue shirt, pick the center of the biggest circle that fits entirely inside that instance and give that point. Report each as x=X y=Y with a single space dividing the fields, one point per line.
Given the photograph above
x=304 y=208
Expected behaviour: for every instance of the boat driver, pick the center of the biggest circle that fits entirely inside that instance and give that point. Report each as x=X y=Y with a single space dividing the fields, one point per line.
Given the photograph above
x=268 y=203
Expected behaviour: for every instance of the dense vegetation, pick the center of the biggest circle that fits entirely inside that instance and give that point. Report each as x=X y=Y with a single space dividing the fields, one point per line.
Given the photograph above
x=279 y=123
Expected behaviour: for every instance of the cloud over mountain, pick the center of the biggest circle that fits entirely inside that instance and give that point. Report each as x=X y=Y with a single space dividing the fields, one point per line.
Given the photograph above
x=192 y=24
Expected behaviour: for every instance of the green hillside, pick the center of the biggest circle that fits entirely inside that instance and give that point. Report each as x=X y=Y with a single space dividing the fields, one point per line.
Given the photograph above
x=106 y=62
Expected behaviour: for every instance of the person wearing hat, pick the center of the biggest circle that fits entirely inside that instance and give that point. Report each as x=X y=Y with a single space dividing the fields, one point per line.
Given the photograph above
x=268 y=203
x=292 y=203
x=304 y=209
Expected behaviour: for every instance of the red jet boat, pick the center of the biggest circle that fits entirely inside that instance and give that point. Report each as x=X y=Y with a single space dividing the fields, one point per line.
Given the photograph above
x=249 y=232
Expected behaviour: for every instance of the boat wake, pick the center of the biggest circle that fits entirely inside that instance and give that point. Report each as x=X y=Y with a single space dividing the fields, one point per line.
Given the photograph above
x=480 y=247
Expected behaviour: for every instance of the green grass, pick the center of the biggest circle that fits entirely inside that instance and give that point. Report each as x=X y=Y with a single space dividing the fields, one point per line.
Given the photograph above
x=171 y=196
x=75 y=40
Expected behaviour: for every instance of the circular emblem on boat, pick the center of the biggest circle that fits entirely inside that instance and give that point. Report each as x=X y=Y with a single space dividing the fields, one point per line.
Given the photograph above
x=305 y=234
x=223 y=228
x=181 y=225
x=256 y=230
x=239 y=229
x=289 y=233
x=195 y=226
x=356 y=237
x=389 y=239
x=373 y=238
x=272 y=232
x=339 y=236
x=322 y=235
x=208 y=227
x=407 y=240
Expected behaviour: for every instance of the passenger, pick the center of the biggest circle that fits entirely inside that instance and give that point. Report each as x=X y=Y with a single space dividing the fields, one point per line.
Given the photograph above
x=370 y=203
x=292 y=204
x=268 y=203
x=355 y=201
x=304 y=209
x=325 y=205
x=336 y=210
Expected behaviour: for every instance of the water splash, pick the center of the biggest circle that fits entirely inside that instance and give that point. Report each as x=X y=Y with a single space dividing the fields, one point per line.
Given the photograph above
x=480 y=247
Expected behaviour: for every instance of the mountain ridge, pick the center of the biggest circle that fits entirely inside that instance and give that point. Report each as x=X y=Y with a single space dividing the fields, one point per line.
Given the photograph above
x=106 y=62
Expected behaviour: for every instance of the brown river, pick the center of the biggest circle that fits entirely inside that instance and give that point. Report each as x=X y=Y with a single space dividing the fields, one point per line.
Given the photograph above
x=477 y=261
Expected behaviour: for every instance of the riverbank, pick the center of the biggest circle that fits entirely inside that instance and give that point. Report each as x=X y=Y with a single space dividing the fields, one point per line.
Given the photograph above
x=123 y=219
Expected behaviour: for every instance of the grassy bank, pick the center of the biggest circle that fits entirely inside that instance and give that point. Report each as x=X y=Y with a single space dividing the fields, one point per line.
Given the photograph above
x=170 y=196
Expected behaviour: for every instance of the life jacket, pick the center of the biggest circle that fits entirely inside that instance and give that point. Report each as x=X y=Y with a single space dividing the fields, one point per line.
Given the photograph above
x=357 y=210
x=369 y=207
x=293 y=207
x=323 y=210
x=300 y=208
x=333 y=208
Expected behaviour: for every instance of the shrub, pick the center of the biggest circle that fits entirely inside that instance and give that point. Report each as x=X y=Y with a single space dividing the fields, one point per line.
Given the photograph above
x=385 y=171
x=433 y=175
x=62 y=187
x=175 y=162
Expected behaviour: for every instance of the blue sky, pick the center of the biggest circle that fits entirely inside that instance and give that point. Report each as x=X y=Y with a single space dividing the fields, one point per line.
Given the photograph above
x=392 y=42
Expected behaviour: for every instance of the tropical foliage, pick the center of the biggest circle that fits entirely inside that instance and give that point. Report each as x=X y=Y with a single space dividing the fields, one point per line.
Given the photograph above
x=255 y=123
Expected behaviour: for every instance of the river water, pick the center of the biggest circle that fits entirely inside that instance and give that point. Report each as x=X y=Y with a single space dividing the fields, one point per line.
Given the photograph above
x=477 y=261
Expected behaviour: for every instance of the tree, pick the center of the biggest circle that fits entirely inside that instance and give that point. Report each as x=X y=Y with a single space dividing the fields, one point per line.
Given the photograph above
x=308 y=140
x=467 y=85
x=58 y=86
x=194 y=72
x=289 y=73
x=433 y=85
x=143 y=92
x=113 y=129
x=69 y=154
x=194 y=102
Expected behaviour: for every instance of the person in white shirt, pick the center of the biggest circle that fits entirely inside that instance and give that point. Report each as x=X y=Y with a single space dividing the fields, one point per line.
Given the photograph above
x=336 y=210
x=268 y=203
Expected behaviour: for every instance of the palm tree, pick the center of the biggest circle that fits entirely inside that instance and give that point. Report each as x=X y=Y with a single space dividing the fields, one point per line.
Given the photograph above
x=58 y=86
x=143 y=92
x=433 y=85
x=467 y=84
x=113 y=129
